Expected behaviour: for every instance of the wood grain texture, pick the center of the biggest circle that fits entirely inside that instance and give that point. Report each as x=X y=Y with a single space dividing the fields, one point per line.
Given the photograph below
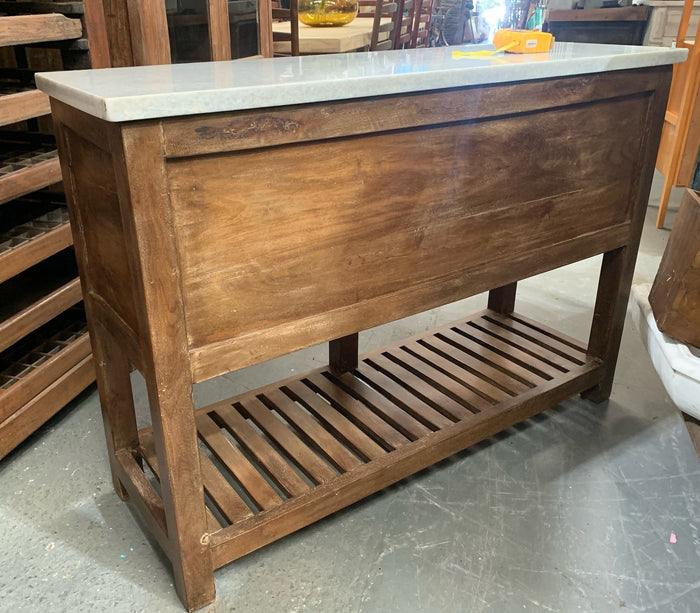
x=29 y=179
x=26 y=29
x=153 y=263
x=675 y=294
x=44 y=405
x=417 y=227
x=23 y=105
x=38 y=313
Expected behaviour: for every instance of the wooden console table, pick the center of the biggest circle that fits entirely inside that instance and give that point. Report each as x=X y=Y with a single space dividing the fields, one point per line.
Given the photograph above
x=228 y=213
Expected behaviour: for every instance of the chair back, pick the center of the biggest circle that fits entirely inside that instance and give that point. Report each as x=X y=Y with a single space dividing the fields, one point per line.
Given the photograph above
x=403 y=35
x=291 y=15
x=385 y=15
x=421 y=23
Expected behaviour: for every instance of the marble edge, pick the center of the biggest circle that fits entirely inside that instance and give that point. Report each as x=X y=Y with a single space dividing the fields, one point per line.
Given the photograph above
x=174 y=104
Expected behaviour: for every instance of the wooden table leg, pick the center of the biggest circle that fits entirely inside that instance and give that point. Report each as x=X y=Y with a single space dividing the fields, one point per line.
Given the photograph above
x=114 y=385
x=342 y=354
x=502 y=299
x=609 y=316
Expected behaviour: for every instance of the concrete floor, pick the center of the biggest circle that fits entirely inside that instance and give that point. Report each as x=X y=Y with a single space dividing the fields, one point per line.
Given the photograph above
x=571 y=511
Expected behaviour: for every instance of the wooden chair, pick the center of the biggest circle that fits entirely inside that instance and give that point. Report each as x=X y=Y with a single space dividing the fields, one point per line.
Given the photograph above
x=680 y=137
x=290 y=14
x=403 y=33
x=383 y=32
x=146 y=40
x=421 y=23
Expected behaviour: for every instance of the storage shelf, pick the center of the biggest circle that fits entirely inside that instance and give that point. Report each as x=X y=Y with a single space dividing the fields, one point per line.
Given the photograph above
x=19 y=101
x=31 y=242
x=26 y=166
x=36 y=296
x=27 y=29
x=40 y=360
x=278 y=458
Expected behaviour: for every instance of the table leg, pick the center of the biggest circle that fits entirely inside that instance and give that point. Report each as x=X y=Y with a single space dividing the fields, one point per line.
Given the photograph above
x=609 y=316
x=114 y=385
x=342 y=354
x=502 y=299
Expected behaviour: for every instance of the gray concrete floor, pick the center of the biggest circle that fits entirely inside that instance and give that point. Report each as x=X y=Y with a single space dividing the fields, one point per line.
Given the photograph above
x=570 y=511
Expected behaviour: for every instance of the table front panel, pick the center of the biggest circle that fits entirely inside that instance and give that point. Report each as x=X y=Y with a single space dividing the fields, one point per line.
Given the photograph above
x=271 y=236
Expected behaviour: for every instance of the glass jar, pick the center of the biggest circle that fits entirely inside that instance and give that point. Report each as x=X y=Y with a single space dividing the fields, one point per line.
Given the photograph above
x=326 y=13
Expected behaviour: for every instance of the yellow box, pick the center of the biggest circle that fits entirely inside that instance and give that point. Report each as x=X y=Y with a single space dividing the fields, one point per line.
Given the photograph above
x=523 y=41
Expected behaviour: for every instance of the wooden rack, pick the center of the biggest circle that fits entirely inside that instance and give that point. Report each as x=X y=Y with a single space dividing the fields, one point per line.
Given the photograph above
x=45 y=358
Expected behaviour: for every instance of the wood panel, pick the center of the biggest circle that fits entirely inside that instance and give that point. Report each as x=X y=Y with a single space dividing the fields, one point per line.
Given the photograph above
x=26 y=29
x=100 y=216
x=418 y=225
x=222 y=132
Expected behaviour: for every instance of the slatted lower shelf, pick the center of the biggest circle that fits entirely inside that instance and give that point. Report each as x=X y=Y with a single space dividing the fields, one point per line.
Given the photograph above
x=280 y=457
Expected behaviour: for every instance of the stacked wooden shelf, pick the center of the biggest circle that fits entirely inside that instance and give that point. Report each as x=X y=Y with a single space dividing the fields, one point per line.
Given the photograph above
x=45 y=358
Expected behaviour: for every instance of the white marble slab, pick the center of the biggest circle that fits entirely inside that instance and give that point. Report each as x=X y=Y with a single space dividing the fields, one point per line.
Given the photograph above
x=146 y=92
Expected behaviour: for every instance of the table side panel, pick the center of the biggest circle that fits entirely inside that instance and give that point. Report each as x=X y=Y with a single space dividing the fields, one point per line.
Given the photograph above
x=370 y=216
x=94 y=193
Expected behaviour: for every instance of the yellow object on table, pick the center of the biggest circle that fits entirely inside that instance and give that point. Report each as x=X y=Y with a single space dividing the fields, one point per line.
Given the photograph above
x=514 y=41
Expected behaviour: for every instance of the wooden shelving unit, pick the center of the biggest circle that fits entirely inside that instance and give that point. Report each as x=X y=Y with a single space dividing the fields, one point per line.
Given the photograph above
x=45 y=358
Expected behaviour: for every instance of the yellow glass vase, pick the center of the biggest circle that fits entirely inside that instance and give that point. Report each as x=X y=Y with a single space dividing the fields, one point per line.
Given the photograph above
x=324 y=13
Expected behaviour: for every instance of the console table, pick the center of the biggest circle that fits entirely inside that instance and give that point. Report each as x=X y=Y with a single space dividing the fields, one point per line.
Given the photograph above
x=227 y=213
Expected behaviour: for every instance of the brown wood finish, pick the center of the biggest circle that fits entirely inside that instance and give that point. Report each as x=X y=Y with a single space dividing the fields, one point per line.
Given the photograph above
x=675 y=294
x=334 y=256
x=23 y=105
x=25 y=29
x=44 y=405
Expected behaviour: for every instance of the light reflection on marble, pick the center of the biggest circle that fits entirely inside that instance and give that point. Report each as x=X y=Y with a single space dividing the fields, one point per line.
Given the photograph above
x=146 y=92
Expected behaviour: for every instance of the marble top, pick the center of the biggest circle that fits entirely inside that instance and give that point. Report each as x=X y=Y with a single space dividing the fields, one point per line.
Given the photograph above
x=147 y=92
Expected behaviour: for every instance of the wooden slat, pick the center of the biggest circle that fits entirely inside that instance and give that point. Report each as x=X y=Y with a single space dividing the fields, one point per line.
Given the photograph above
x=26 y=29
x=23 y=105
x=425 y=413
x=344 y=429
x=509 y=367
x=231 y=543
x=530 y=347
x=396 y=416
x=144 y=496
x=465 y=377
x=532 y=363
x=493 y=376
x=227 y=501
x=29 y=179
x=421 y=388
x=41 y=377
x=278 y=469
x=576 y=345
x=364 y=418
x=443 y=382
x=37 y=314
x=24 y=256
x=577 y=356
x=20 y=424
x=331 y=448
x=315 y=468
x=249 y=478
x=148 y=452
